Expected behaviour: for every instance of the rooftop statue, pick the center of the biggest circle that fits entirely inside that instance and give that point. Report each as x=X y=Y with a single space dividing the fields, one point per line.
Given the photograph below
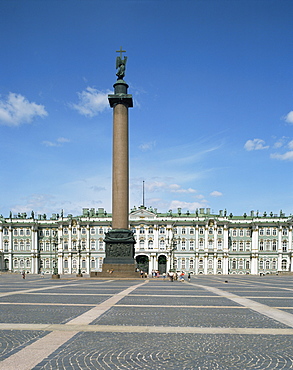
x=120 y=64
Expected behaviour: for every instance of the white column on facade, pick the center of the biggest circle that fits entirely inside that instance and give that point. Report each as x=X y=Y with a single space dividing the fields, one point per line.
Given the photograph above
x=10 y=249
x=280 y=249
x=1 y=239
x=215 y=262
x=60 y=252
x=205 y=263
x=254 y=251
x=225 y=264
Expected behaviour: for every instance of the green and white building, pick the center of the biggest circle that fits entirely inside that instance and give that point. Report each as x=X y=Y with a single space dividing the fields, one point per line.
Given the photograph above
x=198 y=242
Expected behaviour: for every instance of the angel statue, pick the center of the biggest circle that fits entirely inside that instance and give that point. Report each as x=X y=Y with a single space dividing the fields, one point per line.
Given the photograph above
x=120 y=65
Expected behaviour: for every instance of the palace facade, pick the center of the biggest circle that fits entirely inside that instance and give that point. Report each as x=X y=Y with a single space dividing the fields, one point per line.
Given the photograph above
x=198 y=242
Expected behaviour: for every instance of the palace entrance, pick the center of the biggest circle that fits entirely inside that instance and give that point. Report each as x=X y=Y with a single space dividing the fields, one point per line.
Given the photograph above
x=162 y=264
x=142 y=263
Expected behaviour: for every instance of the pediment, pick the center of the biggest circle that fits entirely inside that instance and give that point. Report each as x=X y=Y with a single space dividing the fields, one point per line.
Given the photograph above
x=141 y=214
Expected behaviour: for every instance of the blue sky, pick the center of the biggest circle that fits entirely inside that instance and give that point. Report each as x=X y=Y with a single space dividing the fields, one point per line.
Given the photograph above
x=212 y=122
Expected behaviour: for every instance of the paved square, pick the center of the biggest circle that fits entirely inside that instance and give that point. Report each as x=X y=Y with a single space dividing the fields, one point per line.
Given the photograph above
x=208 y=323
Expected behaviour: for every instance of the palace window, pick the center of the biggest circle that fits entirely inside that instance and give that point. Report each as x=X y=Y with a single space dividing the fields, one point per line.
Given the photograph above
x=66 y=264
x=285 y=231
x=21 y=232
x=65 y=231
x=211 y=244
x=183 y=245
x=74 y=231
x=201 y=244
x=234 y=246
x=274 y=232
x=21 y=245
x=15 y=263
x=268 y=232
x=141 y=230
x=248 y=232
x=183 y=230
x=162 y=230
x=151 y=230
x=183 y=265
x=261 y=246
x=211 y=231
x=274 y=264
x=241 y=248
x=15 y=245
x=100 y=261
x=66 y=245
x=101 y=245
x=267 y=265
x=162 y=244
x=247 y=246
x=261 y=232
x=247 y=264
x=234 y=264
x=234 y=232
x=191 y=231
x=28 y=263
x=28 y=232
x=241 y=264
x=101 y=231
x=6 y=246
x=219 y=263
x=261 y=264
x=93 y=263
x=74 y=263
x=93 y=231
x=191 y=264
x=15 y=232
x=191 y=245
x=47 y=246
x=268 y=245
x=284 y=264
x=201 y=231
x=210 y=264
x=47 y=233
x=83 y=244
x=220 y=244
x=151 y=244
x=220 y=231
x=27 y=245
x=5 y=231
x=241 y=232
x=274 y=245
x=93 y=245
x=83 y=231
x=200 y=263
x=141 y=244
x=284 y=246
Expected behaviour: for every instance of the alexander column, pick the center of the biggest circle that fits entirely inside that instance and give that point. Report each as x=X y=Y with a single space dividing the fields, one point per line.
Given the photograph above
x=119 y=260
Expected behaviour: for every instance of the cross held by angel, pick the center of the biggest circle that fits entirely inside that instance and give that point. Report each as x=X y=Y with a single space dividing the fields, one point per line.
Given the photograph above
x=120 y=64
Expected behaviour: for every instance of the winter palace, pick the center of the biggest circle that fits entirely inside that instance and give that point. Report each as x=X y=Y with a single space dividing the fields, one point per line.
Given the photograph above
x=198 y=242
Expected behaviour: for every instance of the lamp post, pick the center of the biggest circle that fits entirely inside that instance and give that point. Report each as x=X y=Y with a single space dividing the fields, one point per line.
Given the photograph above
x=173 y=246
x=79 y=255
x=55 y=269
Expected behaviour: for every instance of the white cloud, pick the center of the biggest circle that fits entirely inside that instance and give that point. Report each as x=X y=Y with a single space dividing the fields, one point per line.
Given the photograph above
x=16 y=110
x=91 y=102
x=216 y=193
x=58 y=142
x=289 y=117
x=147 y=146
x=288 y=156
x=290 y=144
x=255 y=144
x=191 y=206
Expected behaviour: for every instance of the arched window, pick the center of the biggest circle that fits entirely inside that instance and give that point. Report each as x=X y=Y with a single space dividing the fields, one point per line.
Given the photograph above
x=284 y=264
x=200 y=263
x=219 y=263
x=247 y=264
x=267 y=265
x=274 y=245
x=66 y=264
x=284 y=246
x=162 y=244
x=151 y=244
x=234 y=264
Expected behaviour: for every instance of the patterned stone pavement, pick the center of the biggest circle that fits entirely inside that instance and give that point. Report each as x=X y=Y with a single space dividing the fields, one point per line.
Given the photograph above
x=208 y=323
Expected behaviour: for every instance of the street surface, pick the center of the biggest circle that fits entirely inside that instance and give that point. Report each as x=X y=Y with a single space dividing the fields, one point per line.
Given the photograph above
x=212 y=322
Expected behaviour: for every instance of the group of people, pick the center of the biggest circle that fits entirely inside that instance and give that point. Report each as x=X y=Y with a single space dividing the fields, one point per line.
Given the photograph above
x=179 y=276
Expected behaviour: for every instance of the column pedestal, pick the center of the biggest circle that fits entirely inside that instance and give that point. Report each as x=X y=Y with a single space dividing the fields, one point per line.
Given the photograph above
x=119 y=260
